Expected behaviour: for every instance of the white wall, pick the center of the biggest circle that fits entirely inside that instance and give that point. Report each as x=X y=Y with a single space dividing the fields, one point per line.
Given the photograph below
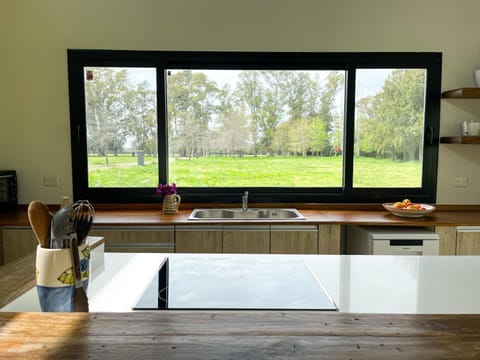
x=34 y=36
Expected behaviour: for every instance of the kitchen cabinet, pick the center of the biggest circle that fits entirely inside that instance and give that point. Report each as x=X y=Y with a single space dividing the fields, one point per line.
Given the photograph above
x=459 y=240
x=329 y=239
x=294 y=239
x=246 y=239
x=198 y=239
x=447 y=239
x=261 y=239
x=136 y=238
x=16 y=242
x=468 y=240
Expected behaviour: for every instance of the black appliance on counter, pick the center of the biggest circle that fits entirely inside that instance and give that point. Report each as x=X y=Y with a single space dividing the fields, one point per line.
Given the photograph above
x=8 y=189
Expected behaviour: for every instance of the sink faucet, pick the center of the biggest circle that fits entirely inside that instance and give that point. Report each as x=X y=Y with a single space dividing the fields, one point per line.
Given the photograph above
x=245 y=201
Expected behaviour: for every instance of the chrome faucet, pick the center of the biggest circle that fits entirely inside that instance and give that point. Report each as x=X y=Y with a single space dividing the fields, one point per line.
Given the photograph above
x=245 y=201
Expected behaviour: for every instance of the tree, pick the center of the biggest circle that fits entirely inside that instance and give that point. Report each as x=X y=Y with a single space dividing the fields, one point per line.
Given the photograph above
x=233 y=134
x=192 y=102
x=250 y=91
x=302 y=94
x=335 y=82
x=317 y=135
x=105 y=96
x=282 y=138
x=392 y=120
x=142 y=117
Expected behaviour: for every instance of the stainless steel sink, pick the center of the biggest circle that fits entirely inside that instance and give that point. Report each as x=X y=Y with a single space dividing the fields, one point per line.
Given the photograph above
x=249 y=214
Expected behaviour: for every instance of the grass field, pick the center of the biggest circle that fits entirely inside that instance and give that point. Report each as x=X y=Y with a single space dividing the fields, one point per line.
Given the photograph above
x=217 y=171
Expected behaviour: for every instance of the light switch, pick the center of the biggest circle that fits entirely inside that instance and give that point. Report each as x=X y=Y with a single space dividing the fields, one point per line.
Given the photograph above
x=51 y=180
x=461 y=181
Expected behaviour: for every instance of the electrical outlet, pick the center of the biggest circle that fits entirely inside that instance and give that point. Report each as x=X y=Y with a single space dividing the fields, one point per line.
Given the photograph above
x=461 y=181
x=51 y=180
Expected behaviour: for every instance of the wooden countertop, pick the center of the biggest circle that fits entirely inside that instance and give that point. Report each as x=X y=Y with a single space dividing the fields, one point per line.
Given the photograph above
x=238 y=335
x=447 y=215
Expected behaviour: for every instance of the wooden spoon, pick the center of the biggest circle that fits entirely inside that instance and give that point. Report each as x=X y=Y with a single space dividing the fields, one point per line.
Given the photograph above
x=40 y=219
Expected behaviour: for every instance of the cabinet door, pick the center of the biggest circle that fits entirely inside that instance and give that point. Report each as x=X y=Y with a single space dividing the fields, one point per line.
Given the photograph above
x=246 y=239
x=468 y=243
x=16 y=243
x=198 y=239
x=136 y=238
x=447 y=240
x=301 y=239
x=329 y=239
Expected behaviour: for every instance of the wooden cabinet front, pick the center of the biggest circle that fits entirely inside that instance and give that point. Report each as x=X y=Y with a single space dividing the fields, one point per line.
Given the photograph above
x=136 y=238
x=447 y=242
x=468 y=242
x=301 y=239
x=198 y=239
x=246 y=239
x=329 y=239
x=16 y=242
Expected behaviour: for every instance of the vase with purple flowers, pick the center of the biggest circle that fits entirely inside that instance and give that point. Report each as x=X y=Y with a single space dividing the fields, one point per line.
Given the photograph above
x=171 y=200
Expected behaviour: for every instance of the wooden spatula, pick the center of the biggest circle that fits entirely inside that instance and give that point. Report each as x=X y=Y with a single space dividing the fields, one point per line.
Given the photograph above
x=40 y=218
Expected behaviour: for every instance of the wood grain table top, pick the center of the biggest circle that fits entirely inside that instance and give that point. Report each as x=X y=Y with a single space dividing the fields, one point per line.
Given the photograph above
x=238 y=335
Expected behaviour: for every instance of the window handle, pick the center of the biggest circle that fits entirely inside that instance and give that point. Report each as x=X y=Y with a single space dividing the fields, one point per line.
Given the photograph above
x=78 y=134
x=429 y=135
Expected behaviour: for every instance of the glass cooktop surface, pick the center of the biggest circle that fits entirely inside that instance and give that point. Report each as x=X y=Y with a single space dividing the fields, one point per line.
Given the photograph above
x=240 y=282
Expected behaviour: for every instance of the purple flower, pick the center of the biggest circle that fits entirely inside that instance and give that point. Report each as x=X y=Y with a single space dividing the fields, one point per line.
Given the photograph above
x=166 y=189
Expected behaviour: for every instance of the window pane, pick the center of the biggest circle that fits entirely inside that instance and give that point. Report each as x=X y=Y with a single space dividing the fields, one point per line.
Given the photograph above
x=121 y=118
x=255 y=128
x=389 y=128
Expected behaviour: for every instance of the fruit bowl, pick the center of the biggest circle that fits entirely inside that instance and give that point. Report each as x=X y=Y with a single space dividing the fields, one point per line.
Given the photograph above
x=411 y=213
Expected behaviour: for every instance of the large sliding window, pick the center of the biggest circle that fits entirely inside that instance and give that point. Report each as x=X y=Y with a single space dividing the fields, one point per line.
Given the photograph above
x=287 y=127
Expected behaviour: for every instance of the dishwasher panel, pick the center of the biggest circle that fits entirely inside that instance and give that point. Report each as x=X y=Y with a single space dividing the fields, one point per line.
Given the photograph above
x=388 y=240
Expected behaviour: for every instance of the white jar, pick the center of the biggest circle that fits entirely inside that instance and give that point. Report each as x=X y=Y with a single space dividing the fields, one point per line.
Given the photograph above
x=477 y=77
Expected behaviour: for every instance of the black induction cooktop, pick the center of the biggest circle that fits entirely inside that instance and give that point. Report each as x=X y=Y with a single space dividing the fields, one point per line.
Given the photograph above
x=235 y=283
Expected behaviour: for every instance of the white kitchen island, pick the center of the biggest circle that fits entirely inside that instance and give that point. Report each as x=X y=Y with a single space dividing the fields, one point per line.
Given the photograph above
x=355 y=283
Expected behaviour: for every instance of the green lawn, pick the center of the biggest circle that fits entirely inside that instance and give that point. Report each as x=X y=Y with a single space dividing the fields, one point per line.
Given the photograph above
x=217 y=171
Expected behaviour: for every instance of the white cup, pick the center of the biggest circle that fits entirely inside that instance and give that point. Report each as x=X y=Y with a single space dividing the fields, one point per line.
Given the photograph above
x=473 y=128
x=477 y=77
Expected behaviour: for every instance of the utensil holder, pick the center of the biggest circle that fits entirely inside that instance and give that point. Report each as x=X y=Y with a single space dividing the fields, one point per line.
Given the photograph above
x=171 y=203
x=55 y=277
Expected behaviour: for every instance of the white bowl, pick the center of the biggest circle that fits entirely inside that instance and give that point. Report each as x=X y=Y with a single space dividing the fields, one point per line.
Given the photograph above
x=407 y=212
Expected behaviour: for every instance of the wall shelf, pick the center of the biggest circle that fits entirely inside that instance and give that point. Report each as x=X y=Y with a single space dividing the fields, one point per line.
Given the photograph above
x=460 y=140
x=462 y=93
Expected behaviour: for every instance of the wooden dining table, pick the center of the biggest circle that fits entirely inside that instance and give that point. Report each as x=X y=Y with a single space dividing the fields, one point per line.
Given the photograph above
x=234 y=334
x=238 y=335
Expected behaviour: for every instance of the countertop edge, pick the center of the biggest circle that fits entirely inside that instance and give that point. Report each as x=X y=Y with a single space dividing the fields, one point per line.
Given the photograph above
x=450 y=215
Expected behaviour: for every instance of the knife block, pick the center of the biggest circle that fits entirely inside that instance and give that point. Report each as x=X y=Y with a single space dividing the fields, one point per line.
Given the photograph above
x=55 y=277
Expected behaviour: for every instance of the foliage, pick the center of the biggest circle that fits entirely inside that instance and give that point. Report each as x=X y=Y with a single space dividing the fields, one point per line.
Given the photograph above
x=391 y=122
x=166 y=189
x=117 y=111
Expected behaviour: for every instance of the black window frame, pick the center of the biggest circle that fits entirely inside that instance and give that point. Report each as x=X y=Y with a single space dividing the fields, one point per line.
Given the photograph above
x=162 y=60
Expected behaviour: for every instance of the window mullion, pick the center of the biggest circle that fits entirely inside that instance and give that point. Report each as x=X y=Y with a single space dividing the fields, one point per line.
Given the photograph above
x=162 y=122
x=349 y=135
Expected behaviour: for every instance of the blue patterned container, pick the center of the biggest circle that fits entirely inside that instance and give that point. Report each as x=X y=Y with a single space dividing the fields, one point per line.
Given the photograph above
x=55 y=279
